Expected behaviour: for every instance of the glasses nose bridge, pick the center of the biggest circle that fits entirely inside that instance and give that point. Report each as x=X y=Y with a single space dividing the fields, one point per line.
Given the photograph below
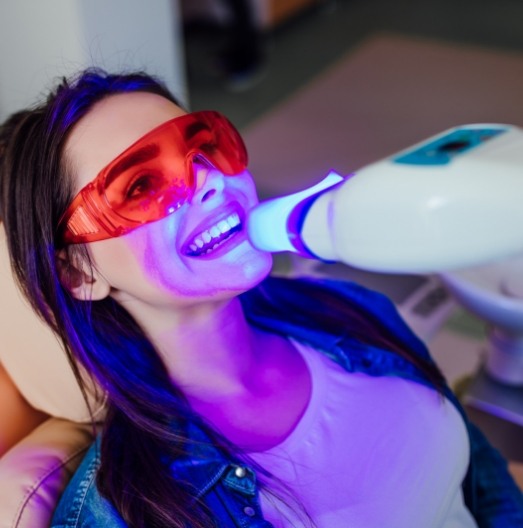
x=191 y=171
x=207 y=179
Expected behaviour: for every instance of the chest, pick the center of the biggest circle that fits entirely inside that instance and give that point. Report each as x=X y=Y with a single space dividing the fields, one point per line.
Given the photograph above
x=371 y=452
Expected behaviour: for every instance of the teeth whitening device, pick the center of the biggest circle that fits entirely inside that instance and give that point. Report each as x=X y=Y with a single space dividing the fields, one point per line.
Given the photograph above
x=452 y=201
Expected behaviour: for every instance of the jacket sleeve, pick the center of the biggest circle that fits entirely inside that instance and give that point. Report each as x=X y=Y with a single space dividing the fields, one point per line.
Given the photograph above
x=491 y=494
x=81 y=505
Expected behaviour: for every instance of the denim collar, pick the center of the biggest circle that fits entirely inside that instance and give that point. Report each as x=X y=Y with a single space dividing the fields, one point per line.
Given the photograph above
x=205 y=464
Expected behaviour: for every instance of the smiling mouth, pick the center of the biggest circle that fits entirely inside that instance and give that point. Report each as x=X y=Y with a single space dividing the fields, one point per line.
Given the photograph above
x=212 y=238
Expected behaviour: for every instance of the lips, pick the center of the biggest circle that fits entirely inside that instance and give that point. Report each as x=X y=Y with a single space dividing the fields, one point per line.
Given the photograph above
x=204 y=241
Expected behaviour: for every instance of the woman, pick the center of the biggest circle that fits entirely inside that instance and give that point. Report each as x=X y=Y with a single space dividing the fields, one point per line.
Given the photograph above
x=232 y=399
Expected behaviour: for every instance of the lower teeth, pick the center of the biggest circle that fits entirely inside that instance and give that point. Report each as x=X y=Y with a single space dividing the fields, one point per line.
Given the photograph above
x=211 y=249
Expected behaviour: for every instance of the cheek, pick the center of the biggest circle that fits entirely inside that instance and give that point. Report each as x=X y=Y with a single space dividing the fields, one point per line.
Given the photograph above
x=114 y=260
x=244 y=183
x=138 y=270
x=146 y=253
x=258 y=268
x=123 y=257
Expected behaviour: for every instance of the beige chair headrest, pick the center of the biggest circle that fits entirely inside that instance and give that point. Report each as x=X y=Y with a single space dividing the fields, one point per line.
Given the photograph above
x=34 y=473
x=32 y=355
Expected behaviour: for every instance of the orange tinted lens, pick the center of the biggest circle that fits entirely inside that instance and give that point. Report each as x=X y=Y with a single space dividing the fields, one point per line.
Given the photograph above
x=154 y=177
x=150 y=179
x=227 y=152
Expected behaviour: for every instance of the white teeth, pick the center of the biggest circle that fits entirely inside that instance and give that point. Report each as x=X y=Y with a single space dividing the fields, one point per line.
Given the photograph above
x=222 y=227
x=233 y=220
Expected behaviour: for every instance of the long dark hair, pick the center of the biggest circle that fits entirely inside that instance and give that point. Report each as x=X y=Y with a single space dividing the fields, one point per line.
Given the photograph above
x=147 y=416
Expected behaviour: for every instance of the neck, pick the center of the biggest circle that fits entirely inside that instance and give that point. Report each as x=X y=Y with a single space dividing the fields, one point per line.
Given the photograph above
x=209 y=349
x=233 y=374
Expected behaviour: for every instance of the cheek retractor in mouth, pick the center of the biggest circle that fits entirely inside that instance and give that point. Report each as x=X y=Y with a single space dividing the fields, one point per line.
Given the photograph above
x=214 y=236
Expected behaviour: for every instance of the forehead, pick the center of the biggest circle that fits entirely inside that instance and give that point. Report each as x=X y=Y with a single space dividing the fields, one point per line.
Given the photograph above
x=110 y=127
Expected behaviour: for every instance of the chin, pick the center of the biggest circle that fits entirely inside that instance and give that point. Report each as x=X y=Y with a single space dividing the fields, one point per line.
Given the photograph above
x=254 y=270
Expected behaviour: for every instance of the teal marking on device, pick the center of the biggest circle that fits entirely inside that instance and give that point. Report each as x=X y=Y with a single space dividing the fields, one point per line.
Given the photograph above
x=444 y=149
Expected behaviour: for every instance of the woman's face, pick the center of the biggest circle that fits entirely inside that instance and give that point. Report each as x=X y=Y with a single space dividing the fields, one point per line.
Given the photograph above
x=157 y=264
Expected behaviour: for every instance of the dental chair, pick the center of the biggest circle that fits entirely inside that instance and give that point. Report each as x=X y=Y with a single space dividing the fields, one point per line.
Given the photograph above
x=35 y=471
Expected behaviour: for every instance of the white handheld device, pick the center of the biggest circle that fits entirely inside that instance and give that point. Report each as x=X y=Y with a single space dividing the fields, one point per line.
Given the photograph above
x=452 y=201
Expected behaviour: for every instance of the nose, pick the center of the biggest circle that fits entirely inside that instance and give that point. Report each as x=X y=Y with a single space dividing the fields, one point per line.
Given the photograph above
x=208 y=182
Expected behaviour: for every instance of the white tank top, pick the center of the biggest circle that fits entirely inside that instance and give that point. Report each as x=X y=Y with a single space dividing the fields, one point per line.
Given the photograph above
x=369 y=452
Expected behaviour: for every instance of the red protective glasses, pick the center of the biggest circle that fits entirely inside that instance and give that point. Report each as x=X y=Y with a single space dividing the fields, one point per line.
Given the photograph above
x=153 y=177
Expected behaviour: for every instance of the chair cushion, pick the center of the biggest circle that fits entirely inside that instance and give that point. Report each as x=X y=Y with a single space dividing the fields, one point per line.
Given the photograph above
x=34 y=473
x=31 y=355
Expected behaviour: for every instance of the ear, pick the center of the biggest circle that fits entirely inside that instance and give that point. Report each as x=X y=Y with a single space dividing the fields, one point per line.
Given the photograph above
x=84 y=282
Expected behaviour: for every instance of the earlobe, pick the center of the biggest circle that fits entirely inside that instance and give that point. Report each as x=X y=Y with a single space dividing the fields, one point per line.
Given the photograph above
x=84 y=282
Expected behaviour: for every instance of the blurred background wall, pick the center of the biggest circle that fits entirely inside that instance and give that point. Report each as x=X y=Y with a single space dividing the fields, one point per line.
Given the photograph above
x=42 y=40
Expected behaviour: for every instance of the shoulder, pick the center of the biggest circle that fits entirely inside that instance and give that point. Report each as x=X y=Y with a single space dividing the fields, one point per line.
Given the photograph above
x=306 y=288
x=81 y=505
x=313 y=295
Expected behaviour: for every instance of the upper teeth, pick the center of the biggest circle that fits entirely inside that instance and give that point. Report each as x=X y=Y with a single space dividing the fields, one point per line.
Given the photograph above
x=223 y=226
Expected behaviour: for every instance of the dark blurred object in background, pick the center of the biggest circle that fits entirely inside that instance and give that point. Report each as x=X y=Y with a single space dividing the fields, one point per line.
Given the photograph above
x=234 y=38
x=227 y=39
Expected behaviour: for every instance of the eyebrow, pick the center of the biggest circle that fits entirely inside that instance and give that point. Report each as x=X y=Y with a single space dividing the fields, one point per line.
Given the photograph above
x=193 y=129
x=136 y=157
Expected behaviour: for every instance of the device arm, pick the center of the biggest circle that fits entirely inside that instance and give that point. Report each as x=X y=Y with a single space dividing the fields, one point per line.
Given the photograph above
x=452 y=201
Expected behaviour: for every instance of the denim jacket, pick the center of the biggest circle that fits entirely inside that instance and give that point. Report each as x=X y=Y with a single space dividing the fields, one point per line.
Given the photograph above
x=230 y=490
